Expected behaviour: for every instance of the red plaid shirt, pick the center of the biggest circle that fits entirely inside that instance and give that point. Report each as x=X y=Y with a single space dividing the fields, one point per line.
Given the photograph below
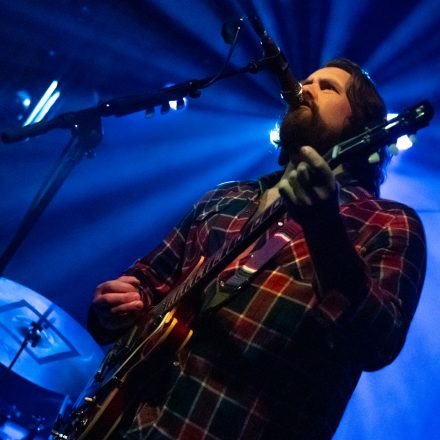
x=282 y=359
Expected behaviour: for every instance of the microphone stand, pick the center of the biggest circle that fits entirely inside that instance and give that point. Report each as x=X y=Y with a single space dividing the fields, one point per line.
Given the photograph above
x=85 y=126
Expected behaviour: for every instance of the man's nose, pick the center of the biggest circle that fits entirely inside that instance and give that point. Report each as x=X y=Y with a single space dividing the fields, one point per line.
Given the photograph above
x=309 y=91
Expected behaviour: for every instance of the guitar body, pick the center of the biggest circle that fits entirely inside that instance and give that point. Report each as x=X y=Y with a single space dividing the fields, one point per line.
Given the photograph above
x=149 y=347
x=99 y=410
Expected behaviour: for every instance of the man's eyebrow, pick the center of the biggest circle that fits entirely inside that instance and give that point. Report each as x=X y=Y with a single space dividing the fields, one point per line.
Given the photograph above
x=334 y=83
x=323 y=79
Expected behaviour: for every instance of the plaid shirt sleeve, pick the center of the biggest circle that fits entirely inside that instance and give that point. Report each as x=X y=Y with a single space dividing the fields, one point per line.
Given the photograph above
x=390 y=240
x=179 y=253
x=161 y=269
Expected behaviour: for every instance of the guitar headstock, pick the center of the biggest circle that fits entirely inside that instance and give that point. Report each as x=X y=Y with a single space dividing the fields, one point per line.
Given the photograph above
x=393 y=149
x=408 y=122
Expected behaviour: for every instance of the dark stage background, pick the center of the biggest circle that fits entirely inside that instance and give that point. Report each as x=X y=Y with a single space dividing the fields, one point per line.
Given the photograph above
x=147 y=172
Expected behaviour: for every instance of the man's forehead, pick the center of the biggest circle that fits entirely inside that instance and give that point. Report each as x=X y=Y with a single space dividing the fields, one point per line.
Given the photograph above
x=331 y=73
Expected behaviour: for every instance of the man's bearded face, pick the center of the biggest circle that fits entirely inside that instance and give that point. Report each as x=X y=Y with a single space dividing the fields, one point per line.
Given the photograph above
x=305 y=126
x=323 y=117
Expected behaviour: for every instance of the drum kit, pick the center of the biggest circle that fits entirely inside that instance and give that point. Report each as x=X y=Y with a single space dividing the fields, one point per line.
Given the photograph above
x=44 y=345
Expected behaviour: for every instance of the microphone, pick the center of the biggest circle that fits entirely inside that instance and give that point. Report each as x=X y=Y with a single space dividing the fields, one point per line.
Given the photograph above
x=291 y=88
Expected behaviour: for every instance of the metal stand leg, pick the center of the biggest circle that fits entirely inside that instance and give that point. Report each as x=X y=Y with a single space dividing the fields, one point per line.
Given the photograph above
x=87 y=134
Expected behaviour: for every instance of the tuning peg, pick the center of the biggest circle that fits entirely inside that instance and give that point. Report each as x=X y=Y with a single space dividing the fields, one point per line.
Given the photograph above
x=393 y=149
x=374 y=158
x=165 y=108
x=180 y=104
x=149 y=113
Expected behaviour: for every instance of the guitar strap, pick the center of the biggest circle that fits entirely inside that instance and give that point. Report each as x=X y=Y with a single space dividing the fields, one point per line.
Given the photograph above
x=223 y=290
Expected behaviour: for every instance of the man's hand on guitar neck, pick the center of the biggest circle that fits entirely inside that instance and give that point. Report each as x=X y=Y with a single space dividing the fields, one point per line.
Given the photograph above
x=311 y=195
x=309 y=188
x=118 y=303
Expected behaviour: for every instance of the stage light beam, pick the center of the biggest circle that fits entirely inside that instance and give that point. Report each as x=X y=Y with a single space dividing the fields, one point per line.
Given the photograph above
x=42 y=104
x=274 y=135
x=46 y=107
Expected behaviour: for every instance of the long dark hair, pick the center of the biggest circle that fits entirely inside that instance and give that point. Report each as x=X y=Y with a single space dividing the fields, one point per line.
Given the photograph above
x=368 y=109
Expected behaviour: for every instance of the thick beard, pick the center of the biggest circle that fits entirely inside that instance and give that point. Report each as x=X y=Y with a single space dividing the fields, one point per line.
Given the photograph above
x=301 y=127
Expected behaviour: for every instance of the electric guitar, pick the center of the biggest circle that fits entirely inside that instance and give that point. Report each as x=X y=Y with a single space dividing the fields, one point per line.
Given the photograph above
x=154 y=341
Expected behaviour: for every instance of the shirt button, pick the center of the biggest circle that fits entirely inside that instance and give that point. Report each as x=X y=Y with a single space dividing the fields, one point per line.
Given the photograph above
x=222 y=284
x=280 y=223
x=176 y=364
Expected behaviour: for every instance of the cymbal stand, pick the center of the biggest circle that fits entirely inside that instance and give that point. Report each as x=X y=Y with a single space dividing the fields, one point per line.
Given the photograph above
x=33 y=335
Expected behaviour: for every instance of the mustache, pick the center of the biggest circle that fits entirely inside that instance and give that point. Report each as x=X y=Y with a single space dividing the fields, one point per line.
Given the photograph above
x=293 y=111
x=307 y=102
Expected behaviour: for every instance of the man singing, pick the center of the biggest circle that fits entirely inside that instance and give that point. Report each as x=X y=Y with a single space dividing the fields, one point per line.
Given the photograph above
x=287 y=328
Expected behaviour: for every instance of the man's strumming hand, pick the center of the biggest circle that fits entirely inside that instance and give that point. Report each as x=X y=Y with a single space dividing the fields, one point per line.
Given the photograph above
x=118 y=303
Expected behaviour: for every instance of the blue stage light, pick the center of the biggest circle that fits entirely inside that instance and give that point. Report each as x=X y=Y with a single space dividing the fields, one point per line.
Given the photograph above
x=274 y=135
x=23 y=98
x=44 y=104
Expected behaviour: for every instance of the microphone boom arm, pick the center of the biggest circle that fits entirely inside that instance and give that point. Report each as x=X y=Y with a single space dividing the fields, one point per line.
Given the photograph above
x=85 y=126
x=126 y=105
